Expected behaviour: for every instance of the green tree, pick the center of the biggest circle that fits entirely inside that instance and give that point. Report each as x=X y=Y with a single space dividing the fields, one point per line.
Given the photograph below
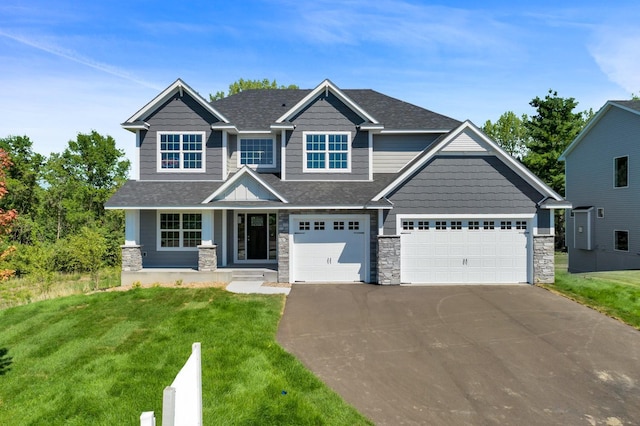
x=80 y=180
x=242 y=84
x=550 y=131
x=23 y=184
x=509 y=132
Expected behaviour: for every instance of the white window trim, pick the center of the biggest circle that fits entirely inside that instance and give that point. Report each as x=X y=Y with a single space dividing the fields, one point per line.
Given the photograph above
x=181 y=230
x=615 y=172
x=326 y=169
x=271 y=165
x=526 y=217
x=614 y=240
x=181 y=169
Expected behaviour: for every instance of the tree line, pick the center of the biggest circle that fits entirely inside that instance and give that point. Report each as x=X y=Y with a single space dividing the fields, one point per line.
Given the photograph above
x=58 y=221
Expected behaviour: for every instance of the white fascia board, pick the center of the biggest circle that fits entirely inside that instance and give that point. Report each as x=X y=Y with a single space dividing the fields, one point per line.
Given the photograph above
x=133 y=127
x=282 y=126
x=511 y=162
x=468 y=216
x=229 y=128
x=556 y=205
x=177 y=86
x=244 y=207
x=327 y=85
x=236 y=177
x=413 y=131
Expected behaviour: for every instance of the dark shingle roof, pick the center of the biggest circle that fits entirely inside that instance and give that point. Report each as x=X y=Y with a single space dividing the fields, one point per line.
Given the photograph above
x=635 y=105
x=258 y=109
x=160 y=194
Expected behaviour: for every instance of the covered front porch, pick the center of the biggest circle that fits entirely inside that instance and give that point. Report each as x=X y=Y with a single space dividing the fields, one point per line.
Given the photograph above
x=200 y=246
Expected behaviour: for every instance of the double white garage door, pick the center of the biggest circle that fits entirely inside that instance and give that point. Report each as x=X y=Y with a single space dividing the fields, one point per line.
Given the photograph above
x=329 y=248
x=464 y=251
x=335 y=248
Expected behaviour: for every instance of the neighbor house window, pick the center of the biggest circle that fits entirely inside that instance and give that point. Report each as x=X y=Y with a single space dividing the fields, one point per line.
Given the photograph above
x=621 y=171
x=327 y=152
x=600 y=212
x=180 y=230
x=181 y=151
x=257 y=152
x=621 y=240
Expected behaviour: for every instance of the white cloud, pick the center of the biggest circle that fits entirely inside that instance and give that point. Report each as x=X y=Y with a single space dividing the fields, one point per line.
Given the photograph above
x=617 y=53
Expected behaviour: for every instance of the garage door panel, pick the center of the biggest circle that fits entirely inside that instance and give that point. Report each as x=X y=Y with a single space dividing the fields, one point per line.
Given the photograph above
x=331 y=252
x=462 y=254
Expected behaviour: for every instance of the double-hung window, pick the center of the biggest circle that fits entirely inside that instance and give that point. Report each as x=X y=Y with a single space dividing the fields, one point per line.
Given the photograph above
x=327 y=152
x=180 y=231
x=184 y=152
x=256 y=152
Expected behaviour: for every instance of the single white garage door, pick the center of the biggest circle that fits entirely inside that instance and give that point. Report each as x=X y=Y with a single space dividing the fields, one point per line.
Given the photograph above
x=455 y=251
x=329 y=248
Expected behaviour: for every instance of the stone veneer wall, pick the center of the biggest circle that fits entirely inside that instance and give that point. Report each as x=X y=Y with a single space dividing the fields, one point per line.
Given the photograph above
x=131 y=258
x=283 y=239
x=543 y=259
x=388 y=259
x=208 y=258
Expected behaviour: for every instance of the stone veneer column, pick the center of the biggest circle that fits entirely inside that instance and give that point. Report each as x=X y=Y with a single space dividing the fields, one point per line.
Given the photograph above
x=283 y=247
x=131 y=258
x=207 y=258
x=543 y=259
x=388 y=259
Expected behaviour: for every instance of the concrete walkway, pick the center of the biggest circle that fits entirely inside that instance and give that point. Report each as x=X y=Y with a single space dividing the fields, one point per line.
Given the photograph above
x=255 y=287
x=466 y=355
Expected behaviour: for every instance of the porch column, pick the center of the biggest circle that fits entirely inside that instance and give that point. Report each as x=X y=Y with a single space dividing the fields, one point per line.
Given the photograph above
x=132 y=250
x=207 y=250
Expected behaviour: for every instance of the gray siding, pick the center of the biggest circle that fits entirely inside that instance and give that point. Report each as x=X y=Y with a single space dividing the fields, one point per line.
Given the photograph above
x=462 y=185
x=392 y=152
x=151 y=257
x=331 y=115
x=589 y=182
x=180 y=114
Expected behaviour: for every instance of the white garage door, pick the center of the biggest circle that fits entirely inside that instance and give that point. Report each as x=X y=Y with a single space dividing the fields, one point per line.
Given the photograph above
x=329 y=248
x=464 y=251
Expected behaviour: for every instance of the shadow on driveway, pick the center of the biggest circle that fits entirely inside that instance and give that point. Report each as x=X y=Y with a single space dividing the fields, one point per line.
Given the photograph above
x=455 y=355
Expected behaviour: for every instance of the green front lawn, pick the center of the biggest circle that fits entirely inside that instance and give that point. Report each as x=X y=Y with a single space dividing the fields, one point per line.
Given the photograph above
x=616 y=293
x=102 y=359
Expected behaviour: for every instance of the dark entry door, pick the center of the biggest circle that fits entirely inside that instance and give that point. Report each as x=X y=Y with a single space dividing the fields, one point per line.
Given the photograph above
x=257 y=236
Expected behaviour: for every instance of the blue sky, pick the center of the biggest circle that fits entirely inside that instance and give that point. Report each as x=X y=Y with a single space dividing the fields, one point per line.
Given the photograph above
x=74 y=66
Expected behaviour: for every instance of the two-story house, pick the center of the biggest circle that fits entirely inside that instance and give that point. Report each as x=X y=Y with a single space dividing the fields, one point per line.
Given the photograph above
x=602 y=180
x=328 y=185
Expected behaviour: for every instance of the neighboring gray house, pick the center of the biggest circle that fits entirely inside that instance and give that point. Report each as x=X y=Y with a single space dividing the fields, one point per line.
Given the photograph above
x=603 y=185
x=328 y=185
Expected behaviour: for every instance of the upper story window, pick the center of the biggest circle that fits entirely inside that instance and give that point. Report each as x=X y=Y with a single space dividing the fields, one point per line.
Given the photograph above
x=184 y=152
x=621 y=172
x=256 y=152
x=327 y=152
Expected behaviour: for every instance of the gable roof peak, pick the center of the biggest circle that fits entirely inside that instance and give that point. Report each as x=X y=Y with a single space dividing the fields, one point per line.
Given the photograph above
x=327 y=86
x=178 y=86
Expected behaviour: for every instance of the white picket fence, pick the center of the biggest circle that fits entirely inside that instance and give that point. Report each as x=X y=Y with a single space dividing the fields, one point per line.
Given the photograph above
x=182 y=401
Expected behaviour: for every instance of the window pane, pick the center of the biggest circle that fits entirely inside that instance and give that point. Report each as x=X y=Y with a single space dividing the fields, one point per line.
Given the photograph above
x=192 y=221
x=169 y=221
x=338 y=161
x=622 y=240
x=315 y=161
x=241 y=233
x=256 y=151
x=170 y=239
x=192 y=238
x=273 y=236
x=193 y=160
x=170 y=160
x=622 y=172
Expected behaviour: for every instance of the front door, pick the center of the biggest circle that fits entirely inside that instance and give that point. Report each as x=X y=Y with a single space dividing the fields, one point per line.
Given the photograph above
x=257 y=236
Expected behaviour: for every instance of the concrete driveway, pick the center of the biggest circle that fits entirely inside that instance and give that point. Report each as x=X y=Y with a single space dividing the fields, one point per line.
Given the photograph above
x=457 y=355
